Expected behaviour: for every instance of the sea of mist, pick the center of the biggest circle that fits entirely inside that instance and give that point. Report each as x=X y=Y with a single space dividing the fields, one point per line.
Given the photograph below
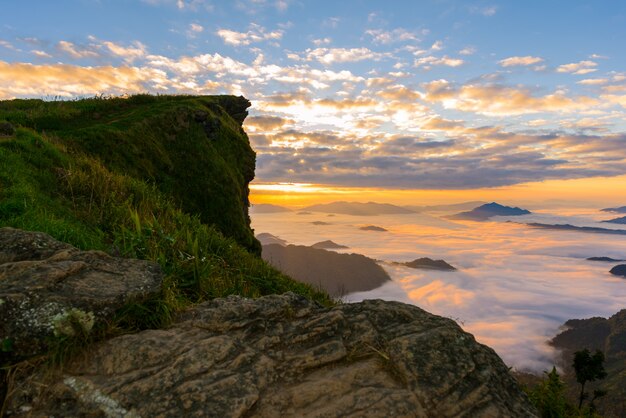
x=515 y=285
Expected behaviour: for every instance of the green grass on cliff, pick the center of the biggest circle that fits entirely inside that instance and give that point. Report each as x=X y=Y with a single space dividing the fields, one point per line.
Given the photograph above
x=157 y=178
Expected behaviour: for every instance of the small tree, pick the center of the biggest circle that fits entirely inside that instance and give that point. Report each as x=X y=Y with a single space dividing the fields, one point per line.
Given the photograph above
x=588 y=368
x=549 y=396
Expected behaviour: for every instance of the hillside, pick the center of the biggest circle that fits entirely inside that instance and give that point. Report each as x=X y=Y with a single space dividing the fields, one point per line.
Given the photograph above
x=145 y=275
x=609 y=336
x=338 y=274
x=161 y=178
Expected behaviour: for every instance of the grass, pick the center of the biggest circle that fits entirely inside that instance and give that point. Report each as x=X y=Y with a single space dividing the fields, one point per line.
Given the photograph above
x=141 y=177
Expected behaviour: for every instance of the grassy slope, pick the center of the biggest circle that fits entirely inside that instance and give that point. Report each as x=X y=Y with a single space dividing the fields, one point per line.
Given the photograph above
x=139 y=177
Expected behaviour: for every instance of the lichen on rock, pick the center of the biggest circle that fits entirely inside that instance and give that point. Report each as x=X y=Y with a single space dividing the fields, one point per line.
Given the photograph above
x=72 y=323
x=49 y=289
x=285 y=356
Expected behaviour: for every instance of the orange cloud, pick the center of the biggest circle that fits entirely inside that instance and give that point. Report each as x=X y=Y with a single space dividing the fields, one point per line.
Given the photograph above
x=492 y=99
x=20 y=79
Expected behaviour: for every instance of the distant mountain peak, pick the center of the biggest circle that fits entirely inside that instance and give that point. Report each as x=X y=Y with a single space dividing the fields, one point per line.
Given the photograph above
x=621 y=209
x=486 y=211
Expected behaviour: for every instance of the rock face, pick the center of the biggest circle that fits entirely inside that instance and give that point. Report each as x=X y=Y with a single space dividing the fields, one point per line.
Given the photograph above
x=284 y=356
x=50 y=288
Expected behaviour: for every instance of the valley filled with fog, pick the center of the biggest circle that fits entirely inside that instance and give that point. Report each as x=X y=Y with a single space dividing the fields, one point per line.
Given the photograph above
x=514 y=286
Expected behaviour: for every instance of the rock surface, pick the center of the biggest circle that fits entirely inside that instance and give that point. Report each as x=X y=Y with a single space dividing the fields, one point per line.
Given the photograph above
x=49 y=288
x=284 y=356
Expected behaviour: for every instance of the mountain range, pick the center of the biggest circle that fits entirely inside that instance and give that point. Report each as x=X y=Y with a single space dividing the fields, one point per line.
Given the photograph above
x=359 y=209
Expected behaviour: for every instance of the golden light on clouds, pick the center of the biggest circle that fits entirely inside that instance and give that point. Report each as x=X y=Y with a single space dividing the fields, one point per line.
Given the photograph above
x=598 y=191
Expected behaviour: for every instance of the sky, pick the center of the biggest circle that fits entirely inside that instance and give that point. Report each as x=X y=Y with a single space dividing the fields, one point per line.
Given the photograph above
x=434 y=99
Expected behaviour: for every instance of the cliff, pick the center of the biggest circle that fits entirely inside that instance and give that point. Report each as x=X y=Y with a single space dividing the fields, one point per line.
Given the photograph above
x=119 y=305
x=193 y=149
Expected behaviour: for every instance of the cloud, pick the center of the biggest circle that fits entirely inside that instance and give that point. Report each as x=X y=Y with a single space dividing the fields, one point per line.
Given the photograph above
x=129 y=53
x=40 y=54
x=437 y=46
x=593 y=81
x=321 y=41
x=494 y=99
x=380 y=36
x=578 y=68
x=282 y=5
x=428 y=62
x=7 y=45
x=256 y=34
x=328 y=56
x=19 y=80
x=520 y=61
x=192 y=5
x=76 y=51
x=468 y=50
x=266 y=123
x=487 y=11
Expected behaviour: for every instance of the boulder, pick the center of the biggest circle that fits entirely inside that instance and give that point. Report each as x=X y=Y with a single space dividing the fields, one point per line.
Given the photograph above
x=48 y=288
x=285 y=356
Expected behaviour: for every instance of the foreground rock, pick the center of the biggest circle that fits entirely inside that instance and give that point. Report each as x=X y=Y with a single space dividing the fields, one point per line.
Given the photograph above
x=48 y=288
x=284 y=356
x=338 y=274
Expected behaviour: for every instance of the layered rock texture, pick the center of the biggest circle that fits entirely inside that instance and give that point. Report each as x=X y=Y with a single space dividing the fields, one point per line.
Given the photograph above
x=284 y=356
x=48 y=289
